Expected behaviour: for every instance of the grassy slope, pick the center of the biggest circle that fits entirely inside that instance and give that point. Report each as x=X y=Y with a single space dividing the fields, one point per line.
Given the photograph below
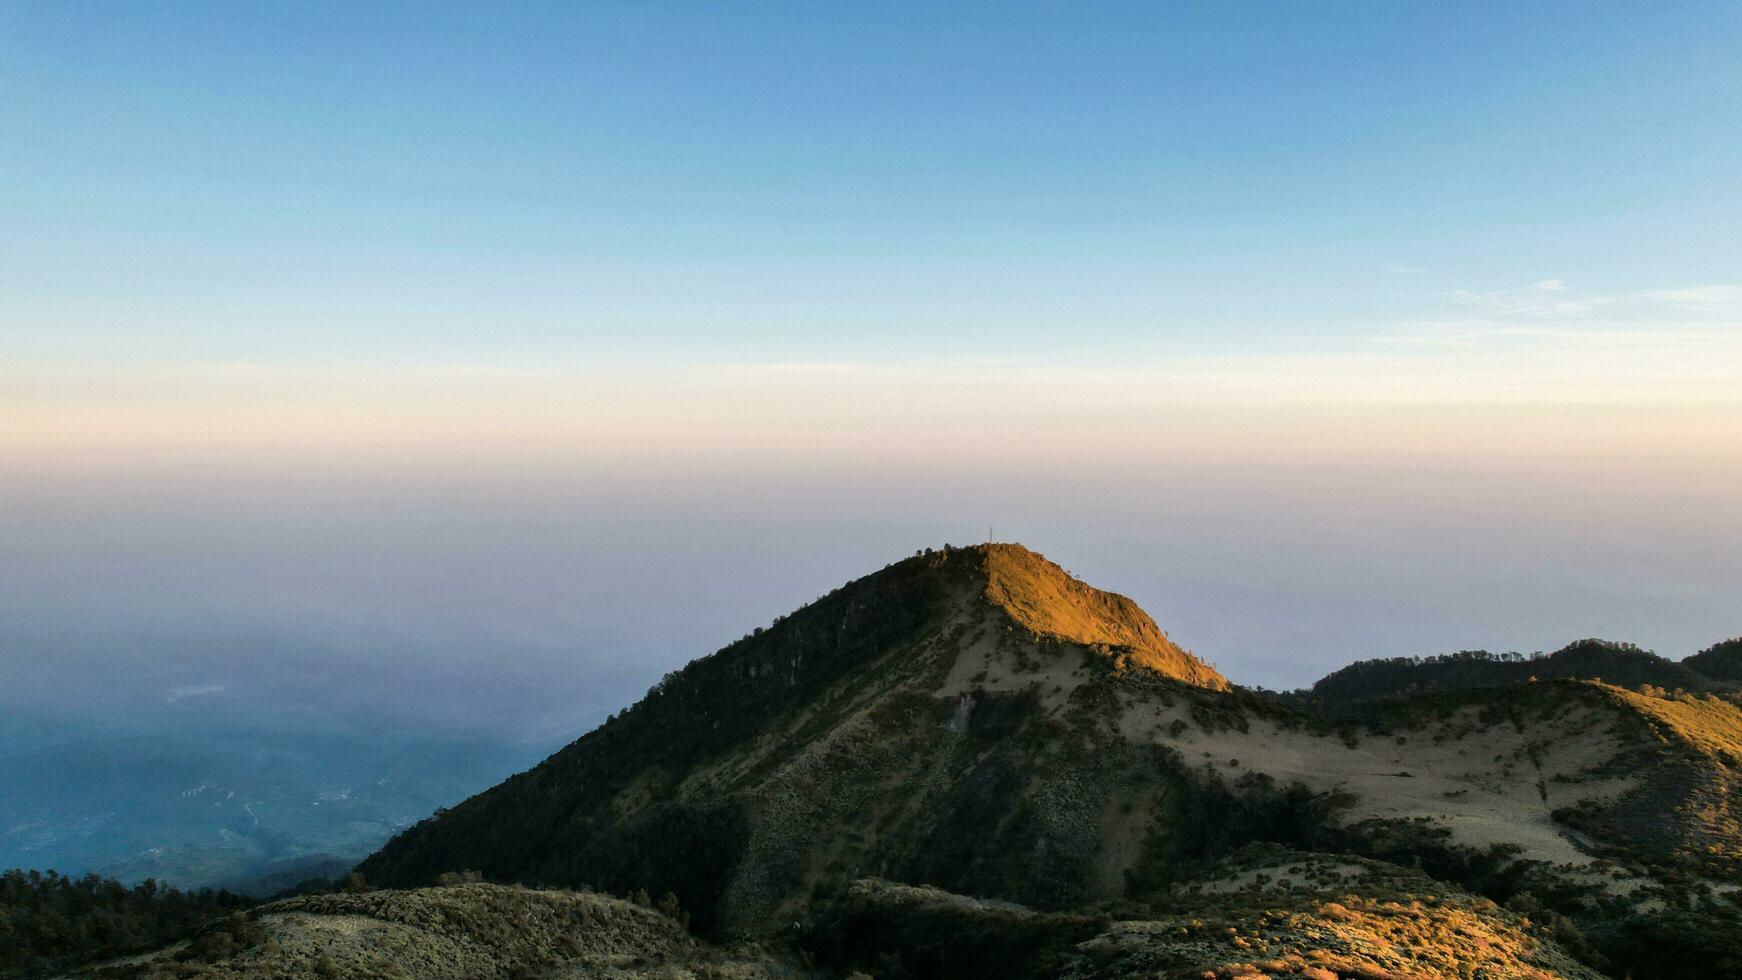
x=1041 y=599
x=460 y=932
x=1686 y=809
x=1383 y=922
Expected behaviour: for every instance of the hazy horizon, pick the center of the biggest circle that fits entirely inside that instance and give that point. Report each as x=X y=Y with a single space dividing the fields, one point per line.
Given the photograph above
x=569 y=580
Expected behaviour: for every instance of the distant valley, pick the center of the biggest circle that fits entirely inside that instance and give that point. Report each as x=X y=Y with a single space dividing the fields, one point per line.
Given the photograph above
x=250 y=810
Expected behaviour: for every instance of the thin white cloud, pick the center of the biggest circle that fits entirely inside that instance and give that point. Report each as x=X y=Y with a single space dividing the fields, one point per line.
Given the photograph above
x=1544 y=299
x=192 y=691
x=1671 y=309
x=1715 y=297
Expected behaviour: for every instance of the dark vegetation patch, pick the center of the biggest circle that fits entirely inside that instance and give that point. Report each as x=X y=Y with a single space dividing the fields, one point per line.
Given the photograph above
x=1199 y=820
x=932 y=936
x=1722 y=661
x=49 y=922
x=990 y=833
x=1698 y=939
x=688 y=851
x=1622 y=664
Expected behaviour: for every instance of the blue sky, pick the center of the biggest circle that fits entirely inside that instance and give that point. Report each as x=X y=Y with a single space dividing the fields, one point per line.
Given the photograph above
x=812 y=182
x=1325 y=331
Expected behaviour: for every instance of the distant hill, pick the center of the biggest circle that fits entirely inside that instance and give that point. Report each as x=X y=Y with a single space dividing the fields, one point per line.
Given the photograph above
x=1722 y=661
x=1622 y=664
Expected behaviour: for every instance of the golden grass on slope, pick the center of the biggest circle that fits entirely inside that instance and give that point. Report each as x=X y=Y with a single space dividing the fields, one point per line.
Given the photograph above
x=1709 y=822
x=1355 y=936
x=1394 y=925
x=1710 y=724
x=1042 y=597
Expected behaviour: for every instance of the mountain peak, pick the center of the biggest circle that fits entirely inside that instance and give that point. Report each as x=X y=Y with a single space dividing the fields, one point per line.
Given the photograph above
x=1042 y=598
x=692 y=788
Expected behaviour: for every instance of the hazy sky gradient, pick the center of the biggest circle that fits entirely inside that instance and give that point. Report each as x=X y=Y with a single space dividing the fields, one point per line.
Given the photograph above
x=575 y=340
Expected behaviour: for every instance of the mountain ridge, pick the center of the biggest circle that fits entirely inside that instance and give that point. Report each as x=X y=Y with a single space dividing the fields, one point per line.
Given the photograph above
x=1722 y=660
x=1588 y=659
x=978 y=721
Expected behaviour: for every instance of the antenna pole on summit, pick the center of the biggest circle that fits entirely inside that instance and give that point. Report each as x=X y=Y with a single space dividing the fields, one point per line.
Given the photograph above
x=988 y=534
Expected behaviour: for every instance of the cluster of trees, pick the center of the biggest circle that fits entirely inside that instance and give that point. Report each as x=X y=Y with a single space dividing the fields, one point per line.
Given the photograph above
x=1618 y=663
x=1720 y=660
x=49 y=921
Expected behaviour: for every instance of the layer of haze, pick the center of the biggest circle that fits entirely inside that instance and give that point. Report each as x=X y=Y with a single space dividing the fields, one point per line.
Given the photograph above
x=440 y=367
